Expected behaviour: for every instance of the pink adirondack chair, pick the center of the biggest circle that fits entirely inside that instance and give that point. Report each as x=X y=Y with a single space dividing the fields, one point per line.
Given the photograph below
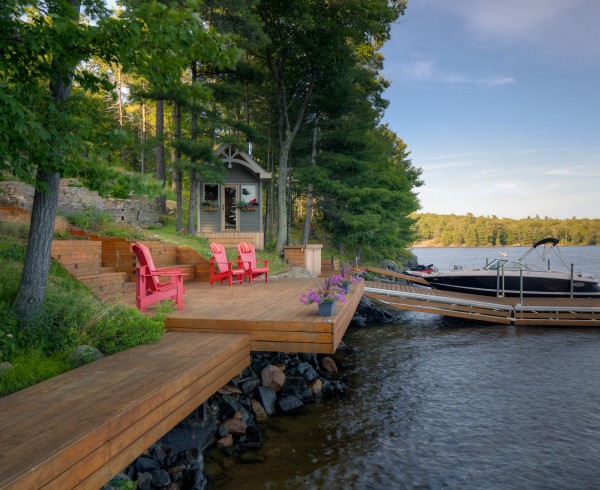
x=224 y=268
x=247 y=257
x=148 y=288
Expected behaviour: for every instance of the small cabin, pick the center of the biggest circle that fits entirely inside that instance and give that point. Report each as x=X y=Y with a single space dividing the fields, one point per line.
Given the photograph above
x=232 y=212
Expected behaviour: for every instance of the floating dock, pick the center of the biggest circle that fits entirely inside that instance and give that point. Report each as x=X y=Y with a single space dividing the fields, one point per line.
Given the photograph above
x=558 y=312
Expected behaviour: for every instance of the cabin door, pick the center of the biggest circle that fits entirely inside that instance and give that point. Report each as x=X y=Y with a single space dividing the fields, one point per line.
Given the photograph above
x=230 y=210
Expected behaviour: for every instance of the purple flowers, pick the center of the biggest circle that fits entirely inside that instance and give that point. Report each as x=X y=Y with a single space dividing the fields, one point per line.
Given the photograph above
x=328 y=291
x=351 y=275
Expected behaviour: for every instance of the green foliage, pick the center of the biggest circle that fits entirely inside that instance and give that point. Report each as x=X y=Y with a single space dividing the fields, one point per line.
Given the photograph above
x=471 y=231
x=90 y=219
x=30 y=367
x=69 y=316
x=112 y=328
x=123 y=231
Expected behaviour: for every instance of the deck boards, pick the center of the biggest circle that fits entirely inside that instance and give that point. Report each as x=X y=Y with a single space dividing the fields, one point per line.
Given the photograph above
x=271 y=313
x=84 y=426
x=533 y=311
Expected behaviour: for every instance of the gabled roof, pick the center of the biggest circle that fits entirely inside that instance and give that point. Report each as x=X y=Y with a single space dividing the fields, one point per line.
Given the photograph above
x=232 y=155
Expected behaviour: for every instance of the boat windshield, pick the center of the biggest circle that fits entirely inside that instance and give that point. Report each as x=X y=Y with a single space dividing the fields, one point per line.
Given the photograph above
x=510 y=265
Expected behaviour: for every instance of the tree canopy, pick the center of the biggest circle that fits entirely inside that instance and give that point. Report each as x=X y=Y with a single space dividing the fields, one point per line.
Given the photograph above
x=137 y=98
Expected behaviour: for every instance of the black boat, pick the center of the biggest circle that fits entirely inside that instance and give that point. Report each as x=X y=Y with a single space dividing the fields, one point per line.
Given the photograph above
x=507 y=277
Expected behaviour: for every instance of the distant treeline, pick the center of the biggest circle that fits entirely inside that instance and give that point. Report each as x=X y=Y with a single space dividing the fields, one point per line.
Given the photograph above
x=485 y=231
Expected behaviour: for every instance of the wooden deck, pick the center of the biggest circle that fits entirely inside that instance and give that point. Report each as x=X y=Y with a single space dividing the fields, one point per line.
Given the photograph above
x=533 y=311
x=271 y=313
x=81 y=428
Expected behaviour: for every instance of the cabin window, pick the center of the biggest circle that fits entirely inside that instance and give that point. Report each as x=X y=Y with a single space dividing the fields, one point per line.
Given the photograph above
x=249 y=192
x=211 y=193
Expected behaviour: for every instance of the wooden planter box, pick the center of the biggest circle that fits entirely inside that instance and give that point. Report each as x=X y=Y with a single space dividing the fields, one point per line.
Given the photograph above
x=249 y=208
x=210 y=209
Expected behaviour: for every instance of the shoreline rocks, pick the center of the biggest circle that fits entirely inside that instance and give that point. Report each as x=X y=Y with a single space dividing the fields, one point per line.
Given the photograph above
x=275 y=383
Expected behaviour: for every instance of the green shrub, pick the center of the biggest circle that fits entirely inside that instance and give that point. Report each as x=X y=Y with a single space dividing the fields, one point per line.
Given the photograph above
x=91 y=218
x=14 y=229
x=112 y=328
x=123 y=231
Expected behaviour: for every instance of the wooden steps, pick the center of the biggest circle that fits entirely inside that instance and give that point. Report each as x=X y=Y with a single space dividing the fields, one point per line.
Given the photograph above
x=81 y=428
x=104 y=264
x=82 y=259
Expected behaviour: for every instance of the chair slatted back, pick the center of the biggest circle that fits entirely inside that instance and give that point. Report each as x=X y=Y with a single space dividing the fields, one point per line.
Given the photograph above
x=248 y=254
x=220 y=256
x=144 y=258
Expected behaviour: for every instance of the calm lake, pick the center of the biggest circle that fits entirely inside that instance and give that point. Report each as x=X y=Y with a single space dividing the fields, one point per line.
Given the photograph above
x=435 y=403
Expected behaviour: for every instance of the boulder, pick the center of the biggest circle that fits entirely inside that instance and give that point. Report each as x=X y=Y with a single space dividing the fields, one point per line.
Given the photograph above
x=272 y=377
x=289 y=404
x=267 y=398
x=316 y=388
x=296 y=386
x=236 y=427
x=160 y=478
x=5 y=366
x=144 y=464
x=328 y=364
x=248 y=385
x=307 y=371
x=84 y=354
x=144 y=481
x=259 y=411
x=226 y=441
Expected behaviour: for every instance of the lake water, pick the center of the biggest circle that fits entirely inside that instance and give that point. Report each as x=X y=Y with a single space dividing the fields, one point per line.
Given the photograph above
x=436 y=403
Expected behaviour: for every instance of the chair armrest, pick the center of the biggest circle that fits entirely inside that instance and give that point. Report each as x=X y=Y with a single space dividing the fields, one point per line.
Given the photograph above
x=266 y=262
x=164 y=272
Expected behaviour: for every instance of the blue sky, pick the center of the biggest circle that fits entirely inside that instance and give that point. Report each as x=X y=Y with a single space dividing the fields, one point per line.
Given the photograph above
x=499 y=103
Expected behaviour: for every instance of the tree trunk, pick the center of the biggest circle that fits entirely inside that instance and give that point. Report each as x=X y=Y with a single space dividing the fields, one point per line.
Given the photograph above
x=41 y=229
x=194 y=137
x=175 y=157
x=309 y=192
x=143 y=139
x=193 y=199
x=287 y=134
x=37 y=258
x=161 y=175
x=121 y=112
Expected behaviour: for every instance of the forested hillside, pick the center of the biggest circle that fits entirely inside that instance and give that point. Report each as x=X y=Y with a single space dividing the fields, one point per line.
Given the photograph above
x=470 y=231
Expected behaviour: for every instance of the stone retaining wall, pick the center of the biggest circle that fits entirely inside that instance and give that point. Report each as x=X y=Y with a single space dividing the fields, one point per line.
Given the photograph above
x=74 y=197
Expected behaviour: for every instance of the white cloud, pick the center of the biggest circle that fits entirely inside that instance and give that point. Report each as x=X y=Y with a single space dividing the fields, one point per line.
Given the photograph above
x=574 y=172
x=558 y=29
x=427 y=71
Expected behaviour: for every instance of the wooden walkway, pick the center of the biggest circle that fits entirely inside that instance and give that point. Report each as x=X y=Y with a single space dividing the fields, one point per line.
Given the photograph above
x=533 y=311
x=81 y=428
x=271 y=313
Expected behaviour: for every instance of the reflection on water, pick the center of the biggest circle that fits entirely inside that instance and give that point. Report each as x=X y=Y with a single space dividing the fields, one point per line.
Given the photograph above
x=436 y=404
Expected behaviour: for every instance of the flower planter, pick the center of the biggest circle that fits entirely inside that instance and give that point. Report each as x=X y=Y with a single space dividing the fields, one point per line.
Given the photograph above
x=249 y=208
x=345 y=288
x=210 y=209
x=327 y=308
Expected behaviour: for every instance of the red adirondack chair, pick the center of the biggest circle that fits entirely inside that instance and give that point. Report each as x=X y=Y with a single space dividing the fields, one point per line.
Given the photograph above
x=224 y=269
x=148 y=288
x=248 y=259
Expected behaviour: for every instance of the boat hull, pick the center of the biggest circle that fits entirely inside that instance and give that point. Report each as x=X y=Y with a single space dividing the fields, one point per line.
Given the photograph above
x=538 y=284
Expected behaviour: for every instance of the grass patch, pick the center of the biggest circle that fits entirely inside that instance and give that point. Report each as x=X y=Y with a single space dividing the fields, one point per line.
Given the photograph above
x=31 y=367
x=69 y=316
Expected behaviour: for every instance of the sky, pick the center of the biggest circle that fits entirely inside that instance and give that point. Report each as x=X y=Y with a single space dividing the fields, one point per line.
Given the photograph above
x=499 y=104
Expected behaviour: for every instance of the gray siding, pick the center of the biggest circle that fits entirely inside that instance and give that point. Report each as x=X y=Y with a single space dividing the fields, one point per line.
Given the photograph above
x=247 y=221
